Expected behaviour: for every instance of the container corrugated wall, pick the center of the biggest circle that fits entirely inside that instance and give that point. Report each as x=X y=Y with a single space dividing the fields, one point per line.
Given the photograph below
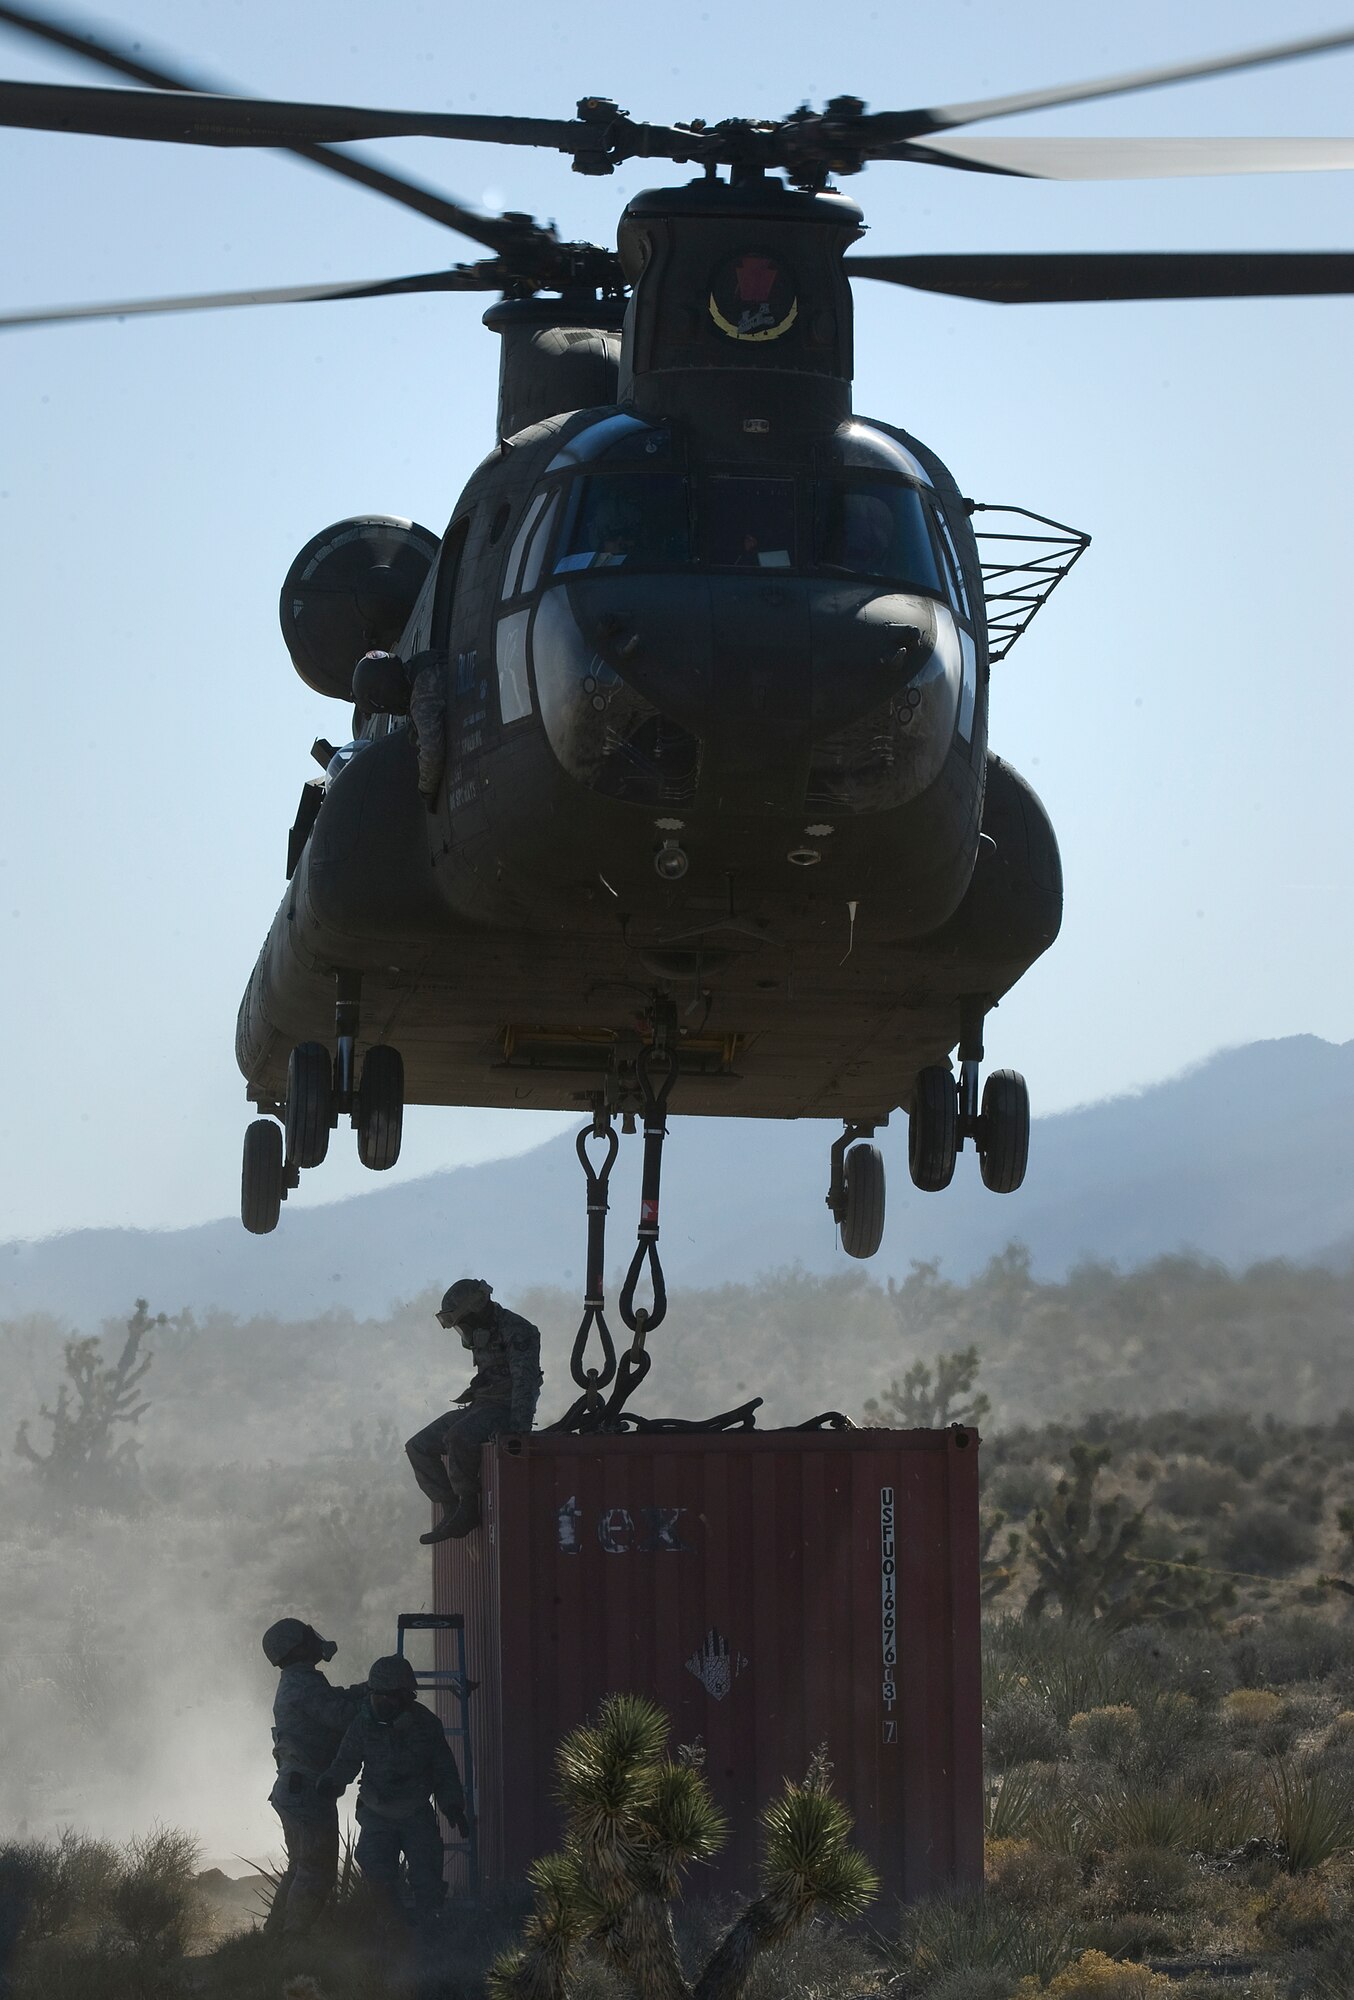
x=773 y=1591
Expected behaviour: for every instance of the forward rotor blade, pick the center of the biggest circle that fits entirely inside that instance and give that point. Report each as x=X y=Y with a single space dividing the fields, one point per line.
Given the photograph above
x=1131 y=159
x=410 y=194
x=190 y=118
x=941 y=117
x=486 y=277
x=1042 y=278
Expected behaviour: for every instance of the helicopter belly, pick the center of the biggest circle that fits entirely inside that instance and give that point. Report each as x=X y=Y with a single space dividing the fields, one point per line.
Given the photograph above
x=816 y=1017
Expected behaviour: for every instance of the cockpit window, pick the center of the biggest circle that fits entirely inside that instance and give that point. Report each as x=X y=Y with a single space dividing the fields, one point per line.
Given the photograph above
x=954 y=569
x=748 y=523
x=872 y=527
x=635 y=519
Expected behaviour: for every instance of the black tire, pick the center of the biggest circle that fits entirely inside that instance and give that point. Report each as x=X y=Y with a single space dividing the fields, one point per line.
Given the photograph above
x=380 y=1108
x=1005 y=1115
x=261 y=1179
x=933 y=1129
x=862 y=1220
x=310 y=1104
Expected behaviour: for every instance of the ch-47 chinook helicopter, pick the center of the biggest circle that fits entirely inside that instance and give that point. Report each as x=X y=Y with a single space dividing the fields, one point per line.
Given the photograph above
x=669 y=765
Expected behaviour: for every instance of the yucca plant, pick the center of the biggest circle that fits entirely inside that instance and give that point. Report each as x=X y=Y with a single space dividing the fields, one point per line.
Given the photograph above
x=1313 y=1814
x=636 y=1821
x=1012 y=1803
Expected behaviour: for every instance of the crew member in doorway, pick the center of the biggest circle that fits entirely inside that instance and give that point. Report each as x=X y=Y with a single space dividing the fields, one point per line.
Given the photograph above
x=399 y=1747
x=502 y=1397
x=384 y=684
x=310 y=1719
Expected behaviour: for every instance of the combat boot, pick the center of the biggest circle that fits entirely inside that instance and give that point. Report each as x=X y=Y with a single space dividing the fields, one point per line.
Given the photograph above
x=456 y=1521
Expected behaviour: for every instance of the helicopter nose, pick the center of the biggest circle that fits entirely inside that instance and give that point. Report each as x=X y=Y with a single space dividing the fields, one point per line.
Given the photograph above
x=758 y=671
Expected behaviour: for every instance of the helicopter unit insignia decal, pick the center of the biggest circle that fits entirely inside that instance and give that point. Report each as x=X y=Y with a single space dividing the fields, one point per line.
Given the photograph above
x=752 y=297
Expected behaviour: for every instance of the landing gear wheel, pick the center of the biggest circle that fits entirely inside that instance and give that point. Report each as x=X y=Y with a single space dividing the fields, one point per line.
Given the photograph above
x=379 y=1112
x=310 y=1104
x=933 y=1129
x=262 y=1178
x=1005 y=1126
x=862 y=1216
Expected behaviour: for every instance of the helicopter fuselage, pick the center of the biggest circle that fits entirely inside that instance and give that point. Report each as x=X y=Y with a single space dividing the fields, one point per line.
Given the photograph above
x=713 y=662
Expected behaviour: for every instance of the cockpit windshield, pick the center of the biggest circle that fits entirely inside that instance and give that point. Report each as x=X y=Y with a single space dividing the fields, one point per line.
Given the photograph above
x=875 y=528
x=748 y=523
x=852 y=524
x=636 y=519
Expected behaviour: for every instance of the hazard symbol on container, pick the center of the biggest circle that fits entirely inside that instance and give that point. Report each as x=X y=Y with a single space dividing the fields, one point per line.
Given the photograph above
x=716 y=1665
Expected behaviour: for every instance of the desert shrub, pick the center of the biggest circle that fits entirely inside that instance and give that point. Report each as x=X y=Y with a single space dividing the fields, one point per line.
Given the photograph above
x=1340 y=1735
x=1070 y=1666
x=1294 y=1646
x=1170 y=1726
x=47 y=1886
x=1297 y=1490
x=821 y=1960
x=963 y=1935
x=1029 y=1877
x=1265 y=1540
x=1096 y=1977
x=1181 y=1659
x=972 y=1984
x=1106 y=1735
x=1294 y=1913
x=1196 y=1491
x=1312 y=1810
x=1248 y=1709
x=1132 y=1935
x=154 y=1896
x=1021 y=1730
x=1144 y=1881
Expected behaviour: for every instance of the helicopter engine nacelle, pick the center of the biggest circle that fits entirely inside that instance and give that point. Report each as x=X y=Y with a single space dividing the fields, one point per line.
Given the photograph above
x=352 y=588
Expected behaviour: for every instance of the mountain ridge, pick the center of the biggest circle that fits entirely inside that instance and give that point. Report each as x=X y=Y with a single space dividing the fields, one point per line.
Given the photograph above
x=1241 y=1157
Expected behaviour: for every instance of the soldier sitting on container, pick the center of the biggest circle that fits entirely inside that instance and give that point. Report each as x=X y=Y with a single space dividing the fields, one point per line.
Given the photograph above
x=309 y=1721
x=502 y=1397
x=404 y=1758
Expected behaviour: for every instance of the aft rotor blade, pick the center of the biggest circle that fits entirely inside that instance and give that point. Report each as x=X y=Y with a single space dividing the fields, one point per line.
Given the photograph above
x=487 y=277
x=1130 y=159
x=941 y=117
x=1041 y=278
x=192 y=118
x=410 y=194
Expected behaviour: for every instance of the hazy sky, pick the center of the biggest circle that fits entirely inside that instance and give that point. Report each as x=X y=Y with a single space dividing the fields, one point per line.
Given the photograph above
x=1182 y=705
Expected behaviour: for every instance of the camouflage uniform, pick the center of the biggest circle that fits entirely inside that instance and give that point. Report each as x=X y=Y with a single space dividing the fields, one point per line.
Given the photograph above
x=401 y=1762
x=309 y=1721
x=502 y=1397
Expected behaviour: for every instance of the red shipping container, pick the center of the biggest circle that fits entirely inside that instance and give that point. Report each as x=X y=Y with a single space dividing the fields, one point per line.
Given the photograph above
x=773 y=1591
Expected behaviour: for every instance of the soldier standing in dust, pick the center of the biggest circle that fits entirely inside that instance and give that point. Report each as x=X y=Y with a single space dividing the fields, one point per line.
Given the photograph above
x=502 y=1397
x=310 y=1719
x=399 y=1747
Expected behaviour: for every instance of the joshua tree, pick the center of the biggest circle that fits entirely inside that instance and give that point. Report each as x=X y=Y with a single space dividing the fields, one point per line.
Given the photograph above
x=933 y=1394
x=1086 y=1557
x=85 y=1459
x=636 y=1820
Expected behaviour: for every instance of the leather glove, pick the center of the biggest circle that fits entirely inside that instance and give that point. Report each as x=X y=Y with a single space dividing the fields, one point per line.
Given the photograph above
x=327 y=1787
x=457 y=1821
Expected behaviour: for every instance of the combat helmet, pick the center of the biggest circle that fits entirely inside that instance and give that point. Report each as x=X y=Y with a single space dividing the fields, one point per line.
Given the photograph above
x=284 y=1636
x=463 y=1299
x=392 y=1674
